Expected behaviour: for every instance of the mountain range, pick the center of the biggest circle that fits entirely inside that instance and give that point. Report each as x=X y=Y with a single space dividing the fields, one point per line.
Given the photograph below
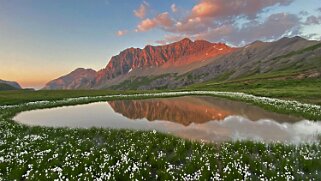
x=9 y=85
x=188 y=62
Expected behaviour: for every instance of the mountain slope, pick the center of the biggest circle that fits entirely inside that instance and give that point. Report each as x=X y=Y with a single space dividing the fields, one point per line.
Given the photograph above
x=287 y=55
x=9 y=85
x=150 y=61
x=188 y=62
x=78 y=79
x=6 y=87
x=154 y=60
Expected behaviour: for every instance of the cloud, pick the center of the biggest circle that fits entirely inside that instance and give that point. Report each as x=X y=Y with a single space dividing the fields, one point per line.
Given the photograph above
x=174 y=8
x=142 y=10
x=162 y=20
x=216 y=13
x=146 y=25
x=312 y=36
x=228 y=9
x=170 y=38
x=313 y=20
x=236 y=22
x=121 y=32
x=274 y=27
x=191 y=26
x=205 y=8
x=304 y=13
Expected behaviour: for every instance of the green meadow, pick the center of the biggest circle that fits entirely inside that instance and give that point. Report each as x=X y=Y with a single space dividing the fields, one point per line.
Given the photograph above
x=284 y=87
x=37 y=153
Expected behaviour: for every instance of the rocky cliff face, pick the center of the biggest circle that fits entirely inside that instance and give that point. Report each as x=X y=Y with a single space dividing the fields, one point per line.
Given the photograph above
x=183 y=52
x=173 y=55
x=187 y=62
x=295 y=54
x=77 y=79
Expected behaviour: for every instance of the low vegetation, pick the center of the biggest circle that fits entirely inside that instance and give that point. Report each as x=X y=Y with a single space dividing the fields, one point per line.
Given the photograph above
x=37 y=153
x=284 y=87
x=4 y=87
x=298 y=52
x=23 y=96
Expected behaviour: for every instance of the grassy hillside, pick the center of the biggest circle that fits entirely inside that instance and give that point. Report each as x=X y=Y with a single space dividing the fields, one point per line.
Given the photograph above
x=272 y=85
x=6 y=87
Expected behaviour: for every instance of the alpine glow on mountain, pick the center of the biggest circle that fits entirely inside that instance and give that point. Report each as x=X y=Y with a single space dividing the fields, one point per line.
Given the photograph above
x=42 y=40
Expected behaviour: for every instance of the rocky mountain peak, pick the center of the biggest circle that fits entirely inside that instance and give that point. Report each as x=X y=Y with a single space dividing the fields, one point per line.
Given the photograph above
x=184 y=51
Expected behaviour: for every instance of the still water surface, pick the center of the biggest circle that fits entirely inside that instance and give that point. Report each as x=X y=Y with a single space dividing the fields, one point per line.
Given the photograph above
x=193 y=117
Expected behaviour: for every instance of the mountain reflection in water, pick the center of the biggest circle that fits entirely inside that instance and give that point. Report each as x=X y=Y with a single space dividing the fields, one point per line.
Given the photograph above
x=189 y=109
x=193 y=117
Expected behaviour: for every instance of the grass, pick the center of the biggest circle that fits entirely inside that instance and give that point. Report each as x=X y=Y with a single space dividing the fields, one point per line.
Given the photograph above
x=310 y=48
x=306 y=90
x=23 y=96
x=37 y=153
x=6 y=87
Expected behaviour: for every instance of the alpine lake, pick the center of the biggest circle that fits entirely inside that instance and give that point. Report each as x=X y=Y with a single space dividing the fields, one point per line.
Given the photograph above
x=199 y=118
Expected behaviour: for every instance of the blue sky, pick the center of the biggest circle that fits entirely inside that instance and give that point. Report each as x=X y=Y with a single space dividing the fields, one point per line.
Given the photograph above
x=43 y=39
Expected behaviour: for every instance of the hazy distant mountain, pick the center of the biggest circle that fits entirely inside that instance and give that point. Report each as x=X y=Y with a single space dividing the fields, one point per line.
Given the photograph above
x=9 y=85
x=77 y=79
x=186 y=62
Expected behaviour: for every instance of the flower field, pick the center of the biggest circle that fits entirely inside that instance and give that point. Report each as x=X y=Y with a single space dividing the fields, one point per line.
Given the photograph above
x=37 y=153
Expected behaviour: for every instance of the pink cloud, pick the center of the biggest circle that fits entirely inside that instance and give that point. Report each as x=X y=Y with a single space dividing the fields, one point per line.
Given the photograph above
x=217 y=20
x=121 y=32
x=228 y=9
x=146 y=25
x=162 y=20
x=205 y=8
x=142 y=10
x=191 y=25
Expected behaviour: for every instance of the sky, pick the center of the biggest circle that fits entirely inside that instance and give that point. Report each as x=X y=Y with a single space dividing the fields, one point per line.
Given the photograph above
x=41 y=40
